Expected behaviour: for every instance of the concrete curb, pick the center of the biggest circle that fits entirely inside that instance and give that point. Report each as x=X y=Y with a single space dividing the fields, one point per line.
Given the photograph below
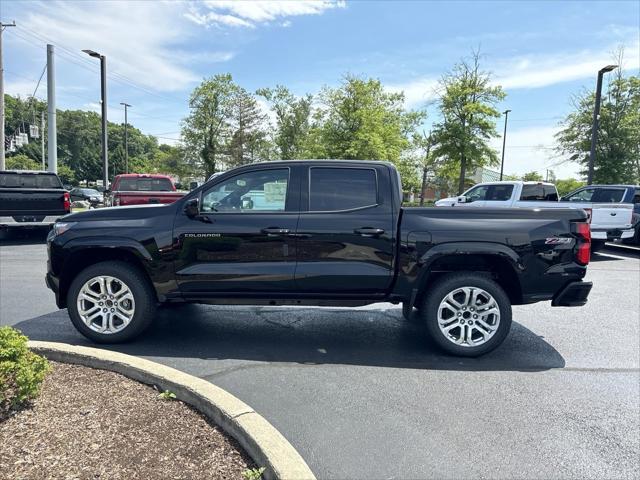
x=264 y=444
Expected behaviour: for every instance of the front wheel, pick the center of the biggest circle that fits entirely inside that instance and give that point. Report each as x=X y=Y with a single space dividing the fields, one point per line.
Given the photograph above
x=111 y=302
x=467 y=314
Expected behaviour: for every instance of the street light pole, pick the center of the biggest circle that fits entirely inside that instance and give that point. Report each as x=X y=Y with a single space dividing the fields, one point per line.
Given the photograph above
x=126 y=144
x=504 y=142
x=103 y=99
x=596 y=121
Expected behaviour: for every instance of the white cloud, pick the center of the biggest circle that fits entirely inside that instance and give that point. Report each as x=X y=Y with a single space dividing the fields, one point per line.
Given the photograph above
x=532 y=148
x=246 y=13
x=141 y=40
x=535 y=71
x=416 y=93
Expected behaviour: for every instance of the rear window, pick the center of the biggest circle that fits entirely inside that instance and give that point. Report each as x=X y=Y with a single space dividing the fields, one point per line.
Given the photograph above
x=332 y=189
x=145 y=185
x=539 y=193
x=29 y=180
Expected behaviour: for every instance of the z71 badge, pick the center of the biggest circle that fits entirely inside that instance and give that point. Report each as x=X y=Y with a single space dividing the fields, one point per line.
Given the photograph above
x=557 y=240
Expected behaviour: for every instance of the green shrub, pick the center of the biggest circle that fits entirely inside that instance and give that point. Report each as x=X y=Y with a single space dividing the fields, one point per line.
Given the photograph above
x=21 y=371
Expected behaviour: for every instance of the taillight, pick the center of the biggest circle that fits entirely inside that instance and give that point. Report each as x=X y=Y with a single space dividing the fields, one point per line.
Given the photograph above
x=67 y=202
x=583 y=250
x=589 y=214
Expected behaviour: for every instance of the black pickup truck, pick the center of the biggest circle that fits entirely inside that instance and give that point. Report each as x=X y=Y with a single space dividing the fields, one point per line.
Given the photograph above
x=31 y=198
x=317 y=233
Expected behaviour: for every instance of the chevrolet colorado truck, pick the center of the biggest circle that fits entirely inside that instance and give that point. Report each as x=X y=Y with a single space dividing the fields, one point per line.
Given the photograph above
x=31 y=198
x=141 y=189
x=317 y=233
x=609 y=216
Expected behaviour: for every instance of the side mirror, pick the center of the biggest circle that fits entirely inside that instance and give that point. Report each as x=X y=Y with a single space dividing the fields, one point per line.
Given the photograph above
x=192 y=208
x=462 y=199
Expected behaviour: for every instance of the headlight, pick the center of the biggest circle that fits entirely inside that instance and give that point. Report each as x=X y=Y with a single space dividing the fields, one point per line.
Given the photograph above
x=60 y=227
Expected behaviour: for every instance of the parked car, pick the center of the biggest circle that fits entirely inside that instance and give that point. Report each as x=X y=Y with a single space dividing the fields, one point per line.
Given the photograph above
x=141 y=189
x=317 y=233
x=90 y=195
x=610 y=220
x=31 y=198
x=617 y=194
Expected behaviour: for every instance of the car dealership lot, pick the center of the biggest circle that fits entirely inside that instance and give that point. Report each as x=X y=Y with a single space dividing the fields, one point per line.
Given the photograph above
x=361 y=394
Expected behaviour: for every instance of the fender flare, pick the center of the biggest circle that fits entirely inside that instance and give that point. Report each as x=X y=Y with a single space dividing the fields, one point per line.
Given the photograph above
x=83 y=243
x=461 y=248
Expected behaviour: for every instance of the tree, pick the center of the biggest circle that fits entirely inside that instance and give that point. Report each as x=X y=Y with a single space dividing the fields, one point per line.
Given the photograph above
x=247 y=123
x=532 y=177
x=467 y=106
x=568 y=185
x=360 y=120
x=22 y=162
x=293 y=121
x=207 y=128
x=617 y=157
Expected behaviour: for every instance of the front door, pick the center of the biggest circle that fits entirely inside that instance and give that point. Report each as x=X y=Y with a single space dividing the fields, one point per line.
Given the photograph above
x=243 y=240
x=345 y=231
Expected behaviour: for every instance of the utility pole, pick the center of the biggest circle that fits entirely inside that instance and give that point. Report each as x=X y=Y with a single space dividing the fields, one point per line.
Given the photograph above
x=51 y=110
x=44 y=165
x=103 y=99
x=2 y=27
x=596 y=119
x=424 y=170
x=504 y=141
x=126 y=144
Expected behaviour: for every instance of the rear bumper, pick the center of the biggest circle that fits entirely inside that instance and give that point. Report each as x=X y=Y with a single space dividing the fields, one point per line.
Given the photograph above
x=611 y=234
x=573 y=294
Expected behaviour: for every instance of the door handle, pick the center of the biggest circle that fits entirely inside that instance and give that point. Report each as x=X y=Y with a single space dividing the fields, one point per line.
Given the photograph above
x=275 y=231
x=369 y=232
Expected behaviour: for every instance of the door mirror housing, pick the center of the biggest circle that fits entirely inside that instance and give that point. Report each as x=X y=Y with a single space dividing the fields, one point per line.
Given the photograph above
x=462 y=199
x=192 y=208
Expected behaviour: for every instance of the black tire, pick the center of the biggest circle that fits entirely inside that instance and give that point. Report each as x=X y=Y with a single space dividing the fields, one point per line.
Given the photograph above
x=597 y=245
x=407 y=311
x=449 y=283
x=143 y=294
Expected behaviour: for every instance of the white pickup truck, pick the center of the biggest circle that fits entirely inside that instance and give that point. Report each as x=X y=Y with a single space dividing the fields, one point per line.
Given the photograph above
x=610 y=218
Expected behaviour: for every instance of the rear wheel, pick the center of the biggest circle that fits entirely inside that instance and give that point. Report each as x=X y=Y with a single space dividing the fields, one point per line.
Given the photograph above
x=467 y=314
x=111 y=302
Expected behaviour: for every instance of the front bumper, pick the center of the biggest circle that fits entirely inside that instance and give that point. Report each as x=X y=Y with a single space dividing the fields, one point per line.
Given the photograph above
x=53 y=283
x=573 y=294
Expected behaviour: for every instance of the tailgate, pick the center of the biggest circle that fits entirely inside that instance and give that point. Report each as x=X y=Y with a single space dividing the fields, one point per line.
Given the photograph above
x=611 y=216
x=17 y=201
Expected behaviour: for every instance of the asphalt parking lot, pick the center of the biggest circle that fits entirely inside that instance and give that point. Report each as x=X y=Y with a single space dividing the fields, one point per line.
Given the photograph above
x=361 y=394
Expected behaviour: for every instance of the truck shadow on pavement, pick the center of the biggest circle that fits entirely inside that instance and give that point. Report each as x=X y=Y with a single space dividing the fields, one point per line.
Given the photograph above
x=369 y=337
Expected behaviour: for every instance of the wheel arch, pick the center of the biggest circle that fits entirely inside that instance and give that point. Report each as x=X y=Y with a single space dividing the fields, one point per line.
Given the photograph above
x=495 y=261
x=81 y=257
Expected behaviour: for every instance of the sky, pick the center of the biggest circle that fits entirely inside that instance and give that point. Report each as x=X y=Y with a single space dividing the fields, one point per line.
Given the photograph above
x=541 y=52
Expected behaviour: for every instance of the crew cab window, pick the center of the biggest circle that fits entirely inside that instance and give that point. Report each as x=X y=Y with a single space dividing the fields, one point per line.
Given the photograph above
x=333 y=189
x=29 y=180
x=257 y=191
x=532 y=192
x=608 y=195
x=145 y=185
x=477 y=193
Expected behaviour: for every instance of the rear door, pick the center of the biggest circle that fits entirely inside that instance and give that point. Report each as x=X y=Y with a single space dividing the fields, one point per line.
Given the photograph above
x=345 y=231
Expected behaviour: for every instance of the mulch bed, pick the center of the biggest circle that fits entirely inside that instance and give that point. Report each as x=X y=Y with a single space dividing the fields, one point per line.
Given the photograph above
x=90 y=423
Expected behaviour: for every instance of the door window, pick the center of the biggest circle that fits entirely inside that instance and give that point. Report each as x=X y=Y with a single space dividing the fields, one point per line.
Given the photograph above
x=334 y=189
x=581 y=195
x=499 y=193
x=608 y=195
x=477 y=193
x=532 y=192
x=256 y=191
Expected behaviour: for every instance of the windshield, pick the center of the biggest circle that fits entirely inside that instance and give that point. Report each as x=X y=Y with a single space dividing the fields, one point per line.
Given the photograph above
x=29 y=180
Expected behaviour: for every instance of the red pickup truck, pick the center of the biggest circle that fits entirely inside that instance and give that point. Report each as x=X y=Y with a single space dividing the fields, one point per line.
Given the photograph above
x=141 y=189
